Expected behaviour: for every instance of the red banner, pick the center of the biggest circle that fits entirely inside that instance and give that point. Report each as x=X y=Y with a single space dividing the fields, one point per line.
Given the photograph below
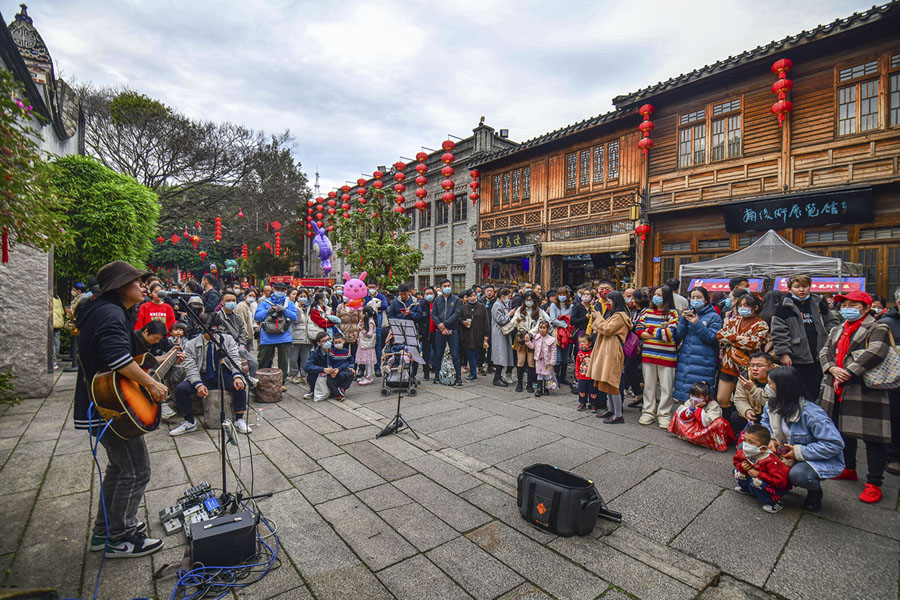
x=721 y=285
x=827 y=285
x=313 y=282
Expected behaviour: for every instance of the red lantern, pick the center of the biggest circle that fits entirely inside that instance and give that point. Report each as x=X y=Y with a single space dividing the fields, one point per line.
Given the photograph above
x=399 y=188
x=447 y=184
x=196 y=240
x=399 y=176
x=421 y=193
x=332 y=202
x=332 y=194
x=421 y=168
x=186 y=234
x=421 y=180
x=399 y=199
x=377 y=174
x=646 y=126
x=448 y=145
x=448 y=171
x=345 y=206
x=474 y=185
x=378 y=184
x=642 y=230
x=320 y=215
x=277 y=243
x=399 y=209
x=202 y=255
x=346 y=215
x=240 y=213
x=783 y=106
x=421 y=156
x=474 y=197
x=244 y=251
x=331 y=228
x=258 y=248
x=475 y=173
x=399 y=166
x=218 y=235
x=198 y=225
x=448 y=197
x=346 y=197
x=447 y=158
x=361 y=182
x=160 y=239
x=361 y=191
x=420 y=204
x=346 y=188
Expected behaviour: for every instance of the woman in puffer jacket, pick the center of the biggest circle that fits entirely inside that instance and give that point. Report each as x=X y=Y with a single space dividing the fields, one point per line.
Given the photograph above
x=698 y=358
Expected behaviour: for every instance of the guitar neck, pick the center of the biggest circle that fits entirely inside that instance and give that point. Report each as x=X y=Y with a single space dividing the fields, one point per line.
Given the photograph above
x=166 y=364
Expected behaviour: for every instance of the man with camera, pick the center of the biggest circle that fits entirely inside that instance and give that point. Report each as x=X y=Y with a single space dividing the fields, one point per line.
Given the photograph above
x=275 y=314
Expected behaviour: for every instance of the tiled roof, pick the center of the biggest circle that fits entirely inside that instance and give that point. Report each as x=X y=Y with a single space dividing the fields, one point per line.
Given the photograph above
x=553 y=135
x=876 y=13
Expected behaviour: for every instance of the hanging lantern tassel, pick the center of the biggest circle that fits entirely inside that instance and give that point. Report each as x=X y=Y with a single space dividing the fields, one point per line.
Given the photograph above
x=5 y=258
x=642 y=230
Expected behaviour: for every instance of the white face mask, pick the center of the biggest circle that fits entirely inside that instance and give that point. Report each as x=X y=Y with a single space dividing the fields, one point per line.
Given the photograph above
x=769 y=391
x=751 y=451
x=529 y=303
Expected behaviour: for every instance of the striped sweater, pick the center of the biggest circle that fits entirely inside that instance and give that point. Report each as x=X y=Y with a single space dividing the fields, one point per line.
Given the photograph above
x=660 y=348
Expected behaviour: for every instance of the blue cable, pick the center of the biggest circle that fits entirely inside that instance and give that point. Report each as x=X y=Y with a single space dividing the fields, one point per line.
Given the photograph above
x=94 y=442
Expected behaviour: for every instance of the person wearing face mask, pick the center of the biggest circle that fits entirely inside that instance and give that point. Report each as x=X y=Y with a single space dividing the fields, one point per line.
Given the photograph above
x=475 y=330
x=528 y=318
x=501 y=347
x=446 y=313
x=603 y=289
x=275 y=315
x=486 y=365
x=581 y=312
x=799 y=329
x=337 y=297
x=698 y=356
x=758 y=471
x=234 y=326
x=812 y=442
x=421 y=314
x=860 y=412
x=380 y=311
x=319 y=365
x=560 y=311
x=741 y=336
x=657 y=326
x=245 y=310
x=749 y=395
x=300 y=344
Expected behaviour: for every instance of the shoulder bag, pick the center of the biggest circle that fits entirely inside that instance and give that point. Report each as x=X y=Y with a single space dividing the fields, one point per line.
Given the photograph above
x=886 y=375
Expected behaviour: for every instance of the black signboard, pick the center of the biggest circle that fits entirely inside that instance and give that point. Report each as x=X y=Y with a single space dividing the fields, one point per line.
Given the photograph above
x=510 y=239
x=849 y=206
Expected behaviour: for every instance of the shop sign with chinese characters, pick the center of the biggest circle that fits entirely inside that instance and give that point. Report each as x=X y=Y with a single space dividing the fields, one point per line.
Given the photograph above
x=827 y=285
x=851 y=206
x=508 y=240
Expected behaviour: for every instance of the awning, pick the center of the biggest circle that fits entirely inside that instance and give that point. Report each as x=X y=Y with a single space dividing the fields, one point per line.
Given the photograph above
x=618 y=242
x=490 y=253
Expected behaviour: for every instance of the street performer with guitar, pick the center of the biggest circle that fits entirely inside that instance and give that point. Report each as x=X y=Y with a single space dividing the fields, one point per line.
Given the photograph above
x=106 y=324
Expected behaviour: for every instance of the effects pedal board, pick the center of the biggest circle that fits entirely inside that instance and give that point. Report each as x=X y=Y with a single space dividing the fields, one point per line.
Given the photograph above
x=198 y=504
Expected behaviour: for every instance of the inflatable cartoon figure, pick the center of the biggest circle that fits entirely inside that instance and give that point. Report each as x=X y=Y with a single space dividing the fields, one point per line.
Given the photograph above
x=322 y=245
x=355 y=290
x=230 y=266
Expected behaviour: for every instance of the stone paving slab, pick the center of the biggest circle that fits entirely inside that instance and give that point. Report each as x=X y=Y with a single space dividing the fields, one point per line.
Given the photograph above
x=400 y=517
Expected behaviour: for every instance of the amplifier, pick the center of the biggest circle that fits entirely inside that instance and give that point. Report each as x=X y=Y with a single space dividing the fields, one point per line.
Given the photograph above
x=225 y=541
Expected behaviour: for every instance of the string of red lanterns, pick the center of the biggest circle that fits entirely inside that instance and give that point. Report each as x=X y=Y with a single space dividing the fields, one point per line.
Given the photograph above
x=646 y=126
x=474 y=174
x=399 y=187
x=447 y=171
x=783 y=106
x=421 y=180
x=218 y=235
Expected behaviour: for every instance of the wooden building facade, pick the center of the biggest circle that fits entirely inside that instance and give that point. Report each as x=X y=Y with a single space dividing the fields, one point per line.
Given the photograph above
x=721 y=171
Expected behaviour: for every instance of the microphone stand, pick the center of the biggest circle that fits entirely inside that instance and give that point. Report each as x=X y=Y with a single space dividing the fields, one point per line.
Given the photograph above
x=216 y=340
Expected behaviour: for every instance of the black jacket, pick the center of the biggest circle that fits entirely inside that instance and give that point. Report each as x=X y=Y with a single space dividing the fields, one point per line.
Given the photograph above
x=447 y=310
x=211 y=300
x=421 y=314
x=106 y=342
x=892 y=319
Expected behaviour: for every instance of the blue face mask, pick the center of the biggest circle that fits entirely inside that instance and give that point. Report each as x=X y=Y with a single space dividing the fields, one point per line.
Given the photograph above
x=230 y=305
x=326 y=346
x=304 y=301
x=745 y=312
x=658 y=300
x=429 y=297
x=563 y=298
x=278 y=295
x=697 y=304
x=728 y=302
x=796 y=297
x=446 y=291
x=851 y=314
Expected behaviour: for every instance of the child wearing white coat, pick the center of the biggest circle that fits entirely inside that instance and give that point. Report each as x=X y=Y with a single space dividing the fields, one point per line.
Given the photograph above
x=544 y=345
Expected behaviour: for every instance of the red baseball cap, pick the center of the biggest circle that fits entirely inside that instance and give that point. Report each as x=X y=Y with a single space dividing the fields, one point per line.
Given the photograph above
x=855 y=297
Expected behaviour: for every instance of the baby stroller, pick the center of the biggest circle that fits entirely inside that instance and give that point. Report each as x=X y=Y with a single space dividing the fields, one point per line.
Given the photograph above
x=395 y=369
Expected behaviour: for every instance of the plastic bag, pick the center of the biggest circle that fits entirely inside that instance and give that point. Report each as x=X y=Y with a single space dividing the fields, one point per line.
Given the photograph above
x=321 y=391
x=447 y=374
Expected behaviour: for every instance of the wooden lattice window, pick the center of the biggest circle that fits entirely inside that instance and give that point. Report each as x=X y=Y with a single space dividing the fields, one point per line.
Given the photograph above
x=515 y=185
x=496 y=179
x=858 y=101
x=584 y=176
x=571 y=170
x=601 y=205
x=598 y=164
x=578 y=210
x=612 y=161
x=506 y=188
x=559 y=213
x=526 y=183
x=516 y=220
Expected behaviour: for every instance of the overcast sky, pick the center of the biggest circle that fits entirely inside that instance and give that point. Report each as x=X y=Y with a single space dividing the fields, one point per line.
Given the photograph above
x=361 y=83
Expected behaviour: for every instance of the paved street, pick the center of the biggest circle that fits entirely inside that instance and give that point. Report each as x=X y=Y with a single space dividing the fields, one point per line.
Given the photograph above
x=437 y=518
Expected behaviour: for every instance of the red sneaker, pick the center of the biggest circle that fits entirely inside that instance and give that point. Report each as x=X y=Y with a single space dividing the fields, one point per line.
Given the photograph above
x=848 y=474
x=871 y=494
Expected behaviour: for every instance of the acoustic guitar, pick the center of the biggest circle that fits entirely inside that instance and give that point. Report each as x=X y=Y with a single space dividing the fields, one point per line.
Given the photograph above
x=128 y=405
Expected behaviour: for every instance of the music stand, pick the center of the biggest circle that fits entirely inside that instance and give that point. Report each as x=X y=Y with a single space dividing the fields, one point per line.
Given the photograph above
x=404 y=332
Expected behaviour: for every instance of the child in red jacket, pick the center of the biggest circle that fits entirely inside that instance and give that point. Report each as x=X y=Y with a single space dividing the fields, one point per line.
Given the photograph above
x=587 y=391
x=758 y=471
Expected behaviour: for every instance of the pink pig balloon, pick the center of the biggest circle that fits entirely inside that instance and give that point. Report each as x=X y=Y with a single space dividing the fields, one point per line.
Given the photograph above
x=355 y=290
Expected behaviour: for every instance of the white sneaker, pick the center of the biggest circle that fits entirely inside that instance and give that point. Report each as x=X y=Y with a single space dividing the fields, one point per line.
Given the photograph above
x=168 y=412
x=646 y=419
x=253 y=381
x=241 y=426
x=186 y=427
x=664 y=422
x=308 y=396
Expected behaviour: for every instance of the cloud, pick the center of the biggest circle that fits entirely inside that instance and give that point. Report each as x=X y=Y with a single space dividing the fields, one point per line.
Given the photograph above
x=362 y=83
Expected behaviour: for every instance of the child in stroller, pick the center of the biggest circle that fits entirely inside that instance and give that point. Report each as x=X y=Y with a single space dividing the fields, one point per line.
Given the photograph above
x=395 y=368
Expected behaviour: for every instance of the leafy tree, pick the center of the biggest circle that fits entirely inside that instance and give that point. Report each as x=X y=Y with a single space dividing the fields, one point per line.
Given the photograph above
x=263 y=263
x=376 y=238
x=161 y=148
x=111 y=217
x=31 y=211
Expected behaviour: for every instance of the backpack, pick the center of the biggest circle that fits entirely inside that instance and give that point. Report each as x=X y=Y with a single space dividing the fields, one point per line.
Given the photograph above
x=275 y=323
x=447 y=374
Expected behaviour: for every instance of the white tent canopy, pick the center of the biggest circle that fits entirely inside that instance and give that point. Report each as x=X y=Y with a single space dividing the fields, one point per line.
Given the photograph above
x=769 y=257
